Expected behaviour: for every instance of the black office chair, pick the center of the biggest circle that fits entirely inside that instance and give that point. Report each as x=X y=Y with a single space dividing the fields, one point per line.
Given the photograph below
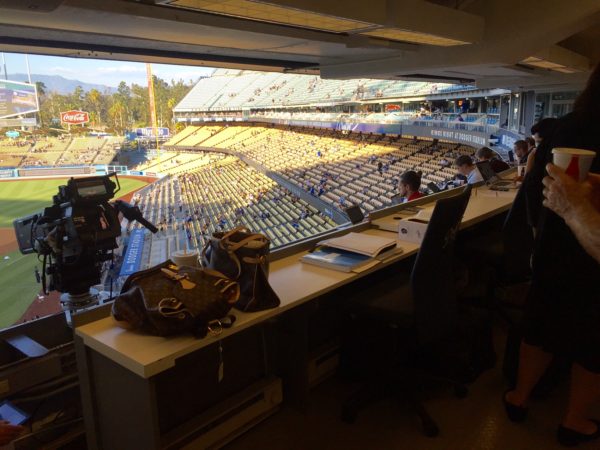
x=424 y=311
x=498 y=258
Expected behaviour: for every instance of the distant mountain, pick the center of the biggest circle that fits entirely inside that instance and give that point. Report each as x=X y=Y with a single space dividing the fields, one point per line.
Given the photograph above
x=62 y=85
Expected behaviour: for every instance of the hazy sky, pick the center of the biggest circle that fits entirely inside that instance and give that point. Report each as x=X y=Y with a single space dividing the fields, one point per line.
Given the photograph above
x=99 y=71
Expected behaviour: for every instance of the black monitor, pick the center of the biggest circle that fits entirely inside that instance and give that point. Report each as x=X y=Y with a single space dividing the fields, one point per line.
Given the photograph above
x=354 y=214
x=485 y=168
x=433 y=187
x=511 y=156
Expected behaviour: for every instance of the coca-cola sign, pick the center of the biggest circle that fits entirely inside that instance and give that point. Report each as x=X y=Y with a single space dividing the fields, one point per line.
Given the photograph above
x=74 y=117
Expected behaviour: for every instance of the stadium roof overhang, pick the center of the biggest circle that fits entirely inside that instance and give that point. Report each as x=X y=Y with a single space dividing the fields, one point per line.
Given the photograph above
x=490 y=43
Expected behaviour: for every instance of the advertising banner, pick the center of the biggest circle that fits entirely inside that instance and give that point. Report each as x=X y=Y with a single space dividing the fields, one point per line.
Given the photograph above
x=133 y=255
x=445 y=132
x=74 y=117
x=18 y=122
x=163 y=132
x=17 y=98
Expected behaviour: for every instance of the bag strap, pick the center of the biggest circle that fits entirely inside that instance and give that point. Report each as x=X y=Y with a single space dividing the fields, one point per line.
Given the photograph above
x=233 y=246
x=236 y=260
x=256 y=260
x=204 y=250
x=233 y=231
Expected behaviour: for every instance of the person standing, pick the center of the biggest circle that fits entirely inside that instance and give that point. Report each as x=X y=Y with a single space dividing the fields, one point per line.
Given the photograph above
x=563 y=304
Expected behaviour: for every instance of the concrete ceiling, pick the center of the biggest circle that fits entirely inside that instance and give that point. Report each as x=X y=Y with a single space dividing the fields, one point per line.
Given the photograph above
x=490 y=43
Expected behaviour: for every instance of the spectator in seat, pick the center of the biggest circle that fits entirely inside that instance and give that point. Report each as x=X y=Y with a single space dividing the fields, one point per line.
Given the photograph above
x=410 y=182
x=466 y=168
x=487 y=154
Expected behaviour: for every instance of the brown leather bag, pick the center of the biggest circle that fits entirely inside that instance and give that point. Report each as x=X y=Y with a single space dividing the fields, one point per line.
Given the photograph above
x=166 y=300
x=243 y=256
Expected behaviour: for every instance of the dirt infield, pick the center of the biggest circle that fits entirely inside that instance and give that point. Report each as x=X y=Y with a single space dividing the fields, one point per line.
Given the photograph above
x=42 y=307
x=128 y=197
x=8 y=241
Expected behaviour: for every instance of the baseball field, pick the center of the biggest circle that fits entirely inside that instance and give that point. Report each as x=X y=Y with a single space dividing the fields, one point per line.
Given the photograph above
x=18 y=287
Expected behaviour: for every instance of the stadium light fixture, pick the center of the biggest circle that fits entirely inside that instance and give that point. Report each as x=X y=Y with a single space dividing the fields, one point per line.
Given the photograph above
x=415 y=37
x=266 y=12
x=558 y=59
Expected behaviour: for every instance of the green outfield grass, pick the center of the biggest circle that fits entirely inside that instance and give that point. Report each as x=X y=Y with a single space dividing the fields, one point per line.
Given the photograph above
x=17 y=282
x=20 y=198
x=19 y=287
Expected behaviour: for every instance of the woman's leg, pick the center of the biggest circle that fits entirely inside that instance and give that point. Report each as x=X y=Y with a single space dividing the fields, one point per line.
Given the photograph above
x=533 y=362
x=585 y=391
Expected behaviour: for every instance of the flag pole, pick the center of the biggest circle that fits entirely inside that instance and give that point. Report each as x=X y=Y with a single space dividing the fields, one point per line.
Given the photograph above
x=152 y=105
x=4 y=65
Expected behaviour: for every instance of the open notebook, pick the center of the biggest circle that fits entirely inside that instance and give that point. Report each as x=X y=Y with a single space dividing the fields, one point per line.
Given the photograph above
x=353 y=252
x=361 y=243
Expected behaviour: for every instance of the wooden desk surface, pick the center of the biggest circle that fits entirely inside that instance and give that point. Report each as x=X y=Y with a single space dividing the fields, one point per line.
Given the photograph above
x=294 y=282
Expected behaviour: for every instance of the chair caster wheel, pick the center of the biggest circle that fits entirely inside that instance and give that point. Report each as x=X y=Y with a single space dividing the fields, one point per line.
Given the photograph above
x=430 y=429
x=348 y=415
x=461 y=391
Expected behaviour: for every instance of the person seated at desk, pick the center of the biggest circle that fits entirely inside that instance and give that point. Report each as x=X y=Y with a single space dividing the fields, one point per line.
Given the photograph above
x=522 y=151
x=410 y=182
x=465 y=167
x=487 y=154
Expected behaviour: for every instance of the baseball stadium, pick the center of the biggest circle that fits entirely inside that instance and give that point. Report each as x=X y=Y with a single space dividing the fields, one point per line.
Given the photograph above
x=286 y=167
x=298 y=224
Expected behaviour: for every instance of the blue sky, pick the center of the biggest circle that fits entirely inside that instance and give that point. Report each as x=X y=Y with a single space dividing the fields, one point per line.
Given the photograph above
x=99 y=71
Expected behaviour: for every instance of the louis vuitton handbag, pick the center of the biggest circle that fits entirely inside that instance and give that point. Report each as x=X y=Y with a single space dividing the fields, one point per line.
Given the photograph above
x=167 y=300
x=242 y=256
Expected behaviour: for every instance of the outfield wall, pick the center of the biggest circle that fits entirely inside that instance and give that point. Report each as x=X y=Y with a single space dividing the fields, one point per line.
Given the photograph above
x=53 y=172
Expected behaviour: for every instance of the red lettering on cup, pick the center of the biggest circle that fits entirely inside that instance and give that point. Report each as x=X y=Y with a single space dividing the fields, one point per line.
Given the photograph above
x=573 y=168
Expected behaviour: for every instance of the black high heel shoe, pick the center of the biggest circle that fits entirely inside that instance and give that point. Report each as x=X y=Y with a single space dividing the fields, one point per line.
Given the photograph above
x=572 y=438
x=516 y=414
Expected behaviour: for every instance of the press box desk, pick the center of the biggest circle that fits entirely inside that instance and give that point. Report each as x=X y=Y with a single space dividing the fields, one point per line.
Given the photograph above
x=141 y=357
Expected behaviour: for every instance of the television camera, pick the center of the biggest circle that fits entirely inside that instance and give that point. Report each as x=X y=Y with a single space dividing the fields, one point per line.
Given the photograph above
x=76 y=235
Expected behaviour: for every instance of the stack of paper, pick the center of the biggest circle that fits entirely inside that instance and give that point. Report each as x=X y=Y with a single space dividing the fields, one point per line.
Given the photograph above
x=352 y=252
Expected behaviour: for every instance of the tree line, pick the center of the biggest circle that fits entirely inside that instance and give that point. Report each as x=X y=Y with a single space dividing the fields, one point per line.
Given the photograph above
x=126 y=109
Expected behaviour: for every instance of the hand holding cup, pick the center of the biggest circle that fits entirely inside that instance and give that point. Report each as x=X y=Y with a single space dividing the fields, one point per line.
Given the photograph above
x=562 y=194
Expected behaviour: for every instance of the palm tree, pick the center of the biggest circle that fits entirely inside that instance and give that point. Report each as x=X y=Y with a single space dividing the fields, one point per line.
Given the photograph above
x=93 y=99
x=41 y=88
x=116 y=112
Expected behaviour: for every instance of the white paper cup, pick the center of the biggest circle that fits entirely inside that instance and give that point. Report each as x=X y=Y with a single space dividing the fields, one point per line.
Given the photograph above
x=574 y=161
x=183 y=258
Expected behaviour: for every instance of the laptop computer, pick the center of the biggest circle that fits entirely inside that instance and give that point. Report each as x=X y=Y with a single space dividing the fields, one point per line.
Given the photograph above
x=433 y=187
x=490 y=177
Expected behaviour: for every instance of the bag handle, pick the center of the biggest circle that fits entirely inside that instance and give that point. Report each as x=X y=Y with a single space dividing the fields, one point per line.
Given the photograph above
x=233 y=246
x=233 y=231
